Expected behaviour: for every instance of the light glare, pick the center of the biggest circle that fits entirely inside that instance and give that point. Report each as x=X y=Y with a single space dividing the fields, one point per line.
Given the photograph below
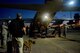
x=71 y=3
x=45 y=16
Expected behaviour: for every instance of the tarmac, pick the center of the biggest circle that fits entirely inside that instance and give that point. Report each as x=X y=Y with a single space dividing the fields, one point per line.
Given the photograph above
x=70 y=44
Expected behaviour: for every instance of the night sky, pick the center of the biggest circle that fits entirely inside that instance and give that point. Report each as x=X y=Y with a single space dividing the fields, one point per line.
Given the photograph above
x=11 y=13
x=6 y=12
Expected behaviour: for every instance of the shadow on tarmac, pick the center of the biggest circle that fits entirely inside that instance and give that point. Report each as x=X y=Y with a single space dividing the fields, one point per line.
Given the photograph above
x=78 y=41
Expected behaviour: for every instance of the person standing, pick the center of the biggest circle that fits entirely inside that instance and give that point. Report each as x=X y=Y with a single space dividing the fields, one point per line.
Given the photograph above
x=4 y=34
x=27 y=30
x=17 y=29
x=59 y=30
x=64 y=30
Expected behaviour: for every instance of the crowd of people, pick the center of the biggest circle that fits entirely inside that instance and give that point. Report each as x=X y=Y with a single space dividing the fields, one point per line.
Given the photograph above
x=14 y=30
x=59 y=30
x=12 y=33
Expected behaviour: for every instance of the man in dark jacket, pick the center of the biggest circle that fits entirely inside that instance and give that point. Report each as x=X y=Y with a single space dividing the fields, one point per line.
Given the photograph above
x=17 y=29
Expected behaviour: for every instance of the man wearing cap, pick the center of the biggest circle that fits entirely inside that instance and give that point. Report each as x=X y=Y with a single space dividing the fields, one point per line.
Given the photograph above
x=17 y=29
